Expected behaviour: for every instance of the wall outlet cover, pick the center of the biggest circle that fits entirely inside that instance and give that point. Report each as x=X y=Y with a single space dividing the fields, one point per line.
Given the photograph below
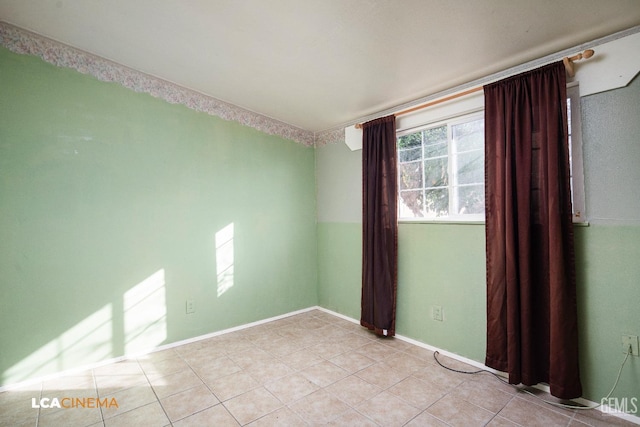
x=630 y=340
x=191 y=306
x=436 y=312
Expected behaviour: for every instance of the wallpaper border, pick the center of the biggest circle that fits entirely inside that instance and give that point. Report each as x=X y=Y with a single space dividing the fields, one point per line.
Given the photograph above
x=330 y=137
x=22 y=41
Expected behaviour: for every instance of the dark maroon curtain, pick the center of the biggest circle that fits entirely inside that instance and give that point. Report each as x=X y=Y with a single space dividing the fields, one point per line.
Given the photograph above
x=531 y=290
x=379 y=226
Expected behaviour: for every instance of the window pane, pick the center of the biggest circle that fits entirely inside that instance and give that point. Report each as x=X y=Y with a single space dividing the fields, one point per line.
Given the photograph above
x=435 y=172
x=409 y=154
x=411 y=175
x=471 y=199
x=441 y=170
x=411 y=203
x=469 y=136
x=436 y=150
x=410 y=141
x=435 y=135
x=470 y=167
x=436 y=202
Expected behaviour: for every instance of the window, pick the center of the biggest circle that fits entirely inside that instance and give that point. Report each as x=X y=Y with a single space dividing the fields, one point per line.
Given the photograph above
x=441 y=170
x=441 y=164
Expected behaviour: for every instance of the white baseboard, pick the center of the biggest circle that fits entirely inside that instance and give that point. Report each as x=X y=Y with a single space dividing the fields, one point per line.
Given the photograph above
x=603 y=408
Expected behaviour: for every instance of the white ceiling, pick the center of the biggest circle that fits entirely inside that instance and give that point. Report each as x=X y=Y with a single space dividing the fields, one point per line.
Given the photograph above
x=321 y=64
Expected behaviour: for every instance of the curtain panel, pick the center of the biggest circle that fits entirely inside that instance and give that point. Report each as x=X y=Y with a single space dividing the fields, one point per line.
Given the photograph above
x=532 y=331
x=379 y=226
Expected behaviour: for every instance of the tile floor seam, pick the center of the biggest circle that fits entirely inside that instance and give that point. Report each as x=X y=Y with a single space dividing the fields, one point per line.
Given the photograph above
x=282 y=405
x=416 y=416
x=166 y=414
x=541 y=403
x=187 y=416
x=196 y=374
x=334 y=417
x=203 y=382
x=39 y=414
x=230 y=413
x=194 y=413
x=133 y=409
x=369 y=418
x=474 y=404
x=411 y=404
x=520 y=395
x=438 y=418
x=502 y=409
x=237 y=420
x=430 y=414
x=128 y=410
x=492 y=418
x=95 y=385
x=154 y=393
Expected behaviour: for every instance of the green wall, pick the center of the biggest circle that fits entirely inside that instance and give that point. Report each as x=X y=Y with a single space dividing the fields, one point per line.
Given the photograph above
x=444 y=264
x=110 y=203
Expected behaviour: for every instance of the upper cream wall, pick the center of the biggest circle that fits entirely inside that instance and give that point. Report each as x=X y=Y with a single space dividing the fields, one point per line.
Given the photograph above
x=339 y=183
x=611 y=149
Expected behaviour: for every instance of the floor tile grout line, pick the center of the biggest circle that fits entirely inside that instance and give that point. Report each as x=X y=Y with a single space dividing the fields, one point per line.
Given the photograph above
x=39 y=409
x=501 y=409
x=104 y=422
x=419 y=414
x=539 y=403
x=289 y=404
x=220 y=401
x=95 y=385
x=426 y=409
x=193 y=413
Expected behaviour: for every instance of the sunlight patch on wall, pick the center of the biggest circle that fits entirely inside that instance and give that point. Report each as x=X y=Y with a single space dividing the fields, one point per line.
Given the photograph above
x=88 y=340
x=224 y=259
x=145 y=314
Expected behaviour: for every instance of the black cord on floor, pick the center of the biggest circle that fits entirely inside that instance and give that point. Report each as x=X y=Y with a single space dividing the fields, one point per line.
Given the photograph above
x=557 y=404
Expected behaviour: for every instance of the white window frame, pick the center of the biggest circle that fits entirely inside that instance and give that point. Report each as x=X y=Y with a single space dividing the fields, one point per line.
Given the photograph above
x=449 y=122
x=474 y=104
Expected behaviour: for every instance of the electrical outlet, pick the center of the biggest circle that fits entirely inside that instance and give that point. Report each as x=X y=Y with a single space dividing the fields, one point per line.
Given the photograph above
x=630 y=340
x=191 y=306
x=436 y=312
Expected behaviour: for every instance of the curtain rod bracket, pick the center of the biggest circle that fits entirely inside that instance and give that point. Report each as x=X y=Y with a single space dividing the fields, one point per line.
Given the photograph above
x=568 y=61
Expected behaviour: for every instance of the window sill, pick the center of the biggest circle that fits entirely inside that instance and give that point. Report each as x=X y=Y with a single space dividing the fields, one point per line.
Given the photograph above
x=462 y=222
x=441 y=221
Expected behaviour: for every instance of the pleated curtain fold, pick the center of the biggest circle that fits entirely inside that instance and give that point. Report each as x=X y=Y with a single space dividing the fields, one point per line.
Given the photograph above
x=379 y=226
x=532 y=331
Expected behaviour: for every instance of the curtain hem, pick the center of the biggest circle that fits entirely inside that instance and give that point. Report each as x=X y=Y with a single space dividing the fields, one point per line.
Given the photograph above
x=378 y=331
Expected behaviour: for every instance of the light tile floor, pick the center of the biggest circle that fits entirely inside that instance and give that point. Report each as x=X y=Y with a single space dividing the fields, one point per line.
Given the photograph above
x=309 y=369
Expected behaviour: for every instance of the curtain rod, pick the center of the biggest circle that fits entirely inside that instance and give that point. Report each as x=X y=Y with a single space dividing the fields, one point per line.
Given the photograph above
x=568 y=65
